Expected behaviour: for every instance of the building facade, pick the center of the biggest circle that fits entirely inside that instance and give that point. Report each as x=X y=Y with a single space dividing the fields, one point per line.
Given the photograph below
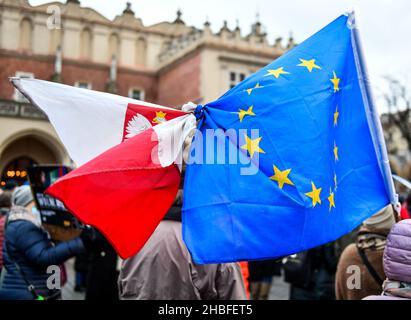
x=399 y=150
x=168 y=63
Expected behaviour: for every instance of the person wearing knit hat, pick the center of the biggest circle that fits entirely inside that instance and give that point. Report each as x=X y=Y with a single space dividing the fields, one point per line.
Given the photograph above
x=22 y=196
x=367 y=255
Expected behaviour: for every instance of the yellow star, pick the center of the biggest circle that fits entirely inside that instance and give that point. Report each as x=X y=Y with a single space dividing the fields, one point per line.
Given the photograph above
x=336 y=82
x=242 y=113
x=277 y=72
x=314 y=194
x=331 y=199
x=309 y=64
x=252 y=146
x=281 y=177
x=336 y=114
x=335 y=152
x=160 y=117
x=251 y=89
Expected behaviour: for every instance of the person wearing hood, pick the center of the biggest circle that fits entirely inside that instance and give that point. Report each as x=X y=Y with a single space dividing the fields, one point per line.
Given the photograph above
x=164 y=270
x=367 y=255
x=28 y=251
x=397 y=264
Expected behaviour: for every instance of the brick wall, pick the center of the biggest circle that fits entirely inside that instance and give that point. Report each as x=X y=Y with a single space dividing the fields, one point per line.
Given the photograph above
x=73 y=71
x=180 y=82
x=10 y=64
x=129 y=79
x=96 y=75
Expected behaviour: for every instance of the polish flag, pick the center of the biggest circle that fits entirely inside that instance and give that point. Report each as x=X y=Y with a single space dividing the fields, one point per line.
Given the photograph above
x=129 y=154
x=90 y=122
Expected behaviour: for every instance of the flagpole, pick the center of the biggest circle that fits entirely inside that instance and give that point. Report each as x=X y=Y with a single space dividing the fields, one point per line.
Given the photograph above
x=371 y=111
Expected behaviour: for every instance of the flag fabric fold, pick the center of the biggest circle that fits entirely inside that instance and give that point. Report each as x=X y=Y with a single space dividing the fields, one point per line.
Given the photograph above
x=122 y=192
x=128 y=187
x=126 y=191
x=90 y=122
x=300 y=167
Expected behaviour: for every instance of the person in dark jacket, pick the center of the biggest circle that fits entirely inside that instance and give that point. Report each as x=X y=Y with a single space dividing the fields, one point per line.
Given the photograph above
x=102 y=270
x=81 y=265
x=28 y=252
x=261 y=277
x=5 y=204
x=316 y=281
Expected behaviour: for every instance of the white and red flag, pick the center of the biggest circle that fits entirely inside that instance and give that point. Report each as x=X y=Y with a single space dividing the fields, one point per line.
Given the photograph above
x=129 y=154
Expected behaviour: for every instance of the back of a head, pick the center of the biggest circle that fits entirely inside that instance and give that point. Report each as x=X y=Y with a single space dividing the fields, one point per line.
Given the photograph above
x=5 y=199
x=22 y=196
x=397 y=255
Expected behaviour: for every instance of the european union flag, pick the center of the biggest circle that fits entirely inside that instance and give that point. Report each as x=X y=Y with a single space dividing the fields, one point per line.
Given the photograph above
x=290 y=158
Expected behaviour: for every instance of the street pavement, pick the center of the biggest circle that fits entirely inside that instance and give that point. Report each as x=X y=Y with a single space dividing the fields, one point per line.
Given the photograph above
x=67 y=291
x=280 y=290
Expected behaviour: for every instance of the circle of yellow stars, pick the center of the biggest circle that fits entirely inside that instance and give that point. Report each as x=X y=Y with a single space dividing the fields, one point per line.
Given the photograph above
x=282 y=176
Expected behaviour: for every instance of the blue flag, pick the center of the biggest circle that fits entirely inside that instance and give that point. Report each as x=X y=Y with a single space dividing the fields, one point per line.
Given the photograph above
x=290 y=158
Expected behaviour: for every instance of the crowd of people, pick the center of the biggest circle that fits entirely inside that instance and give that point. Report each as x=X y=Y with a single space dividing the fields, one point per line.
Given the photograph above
x=372 y=262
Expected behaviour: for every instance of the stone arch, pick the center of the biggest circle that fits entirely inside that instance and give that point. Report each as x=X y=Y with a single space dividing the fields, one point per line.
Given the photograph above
x=26 y=34
x=141 y=51
x=16 y=170
x=39 y=146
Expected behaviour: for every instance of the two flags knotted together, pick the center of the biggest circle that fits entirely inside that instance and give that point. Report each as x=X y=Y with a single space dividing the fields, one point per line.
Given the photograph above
x=290 y=158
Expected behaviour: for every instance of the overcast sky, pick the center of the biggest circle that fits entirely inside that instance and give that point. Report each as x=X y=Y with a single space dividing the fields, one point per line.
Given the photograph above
x=385 y=25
